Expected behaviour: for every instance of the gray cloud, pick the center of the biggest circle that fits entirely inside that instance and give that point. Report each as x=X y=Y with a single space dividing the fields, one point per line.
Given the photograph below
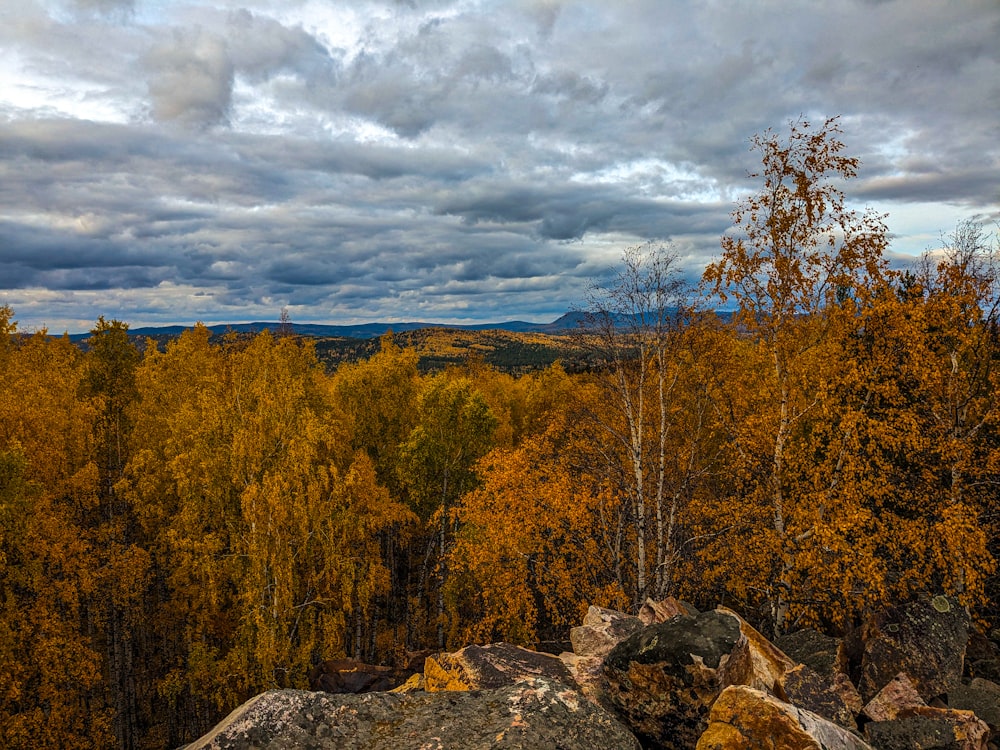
x=452 y=160
x=191 y=79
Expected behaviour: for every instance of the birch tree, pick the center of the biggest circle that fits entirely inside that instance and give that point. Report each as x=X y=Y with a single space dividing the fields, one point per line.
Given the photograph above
x=796 y=254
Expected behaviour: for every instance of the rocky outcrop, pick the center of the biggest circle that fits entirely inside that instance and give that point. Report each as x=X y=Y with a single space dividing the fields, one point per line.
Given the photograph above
x=980 y=696
x=352 y=676
x=652 y=612
x=602 y=630
x=665 y=678
x=744 y=719
x=894 y=700
x=535 y=713
x=924 y=639
x=675 y=677
x=492 y=666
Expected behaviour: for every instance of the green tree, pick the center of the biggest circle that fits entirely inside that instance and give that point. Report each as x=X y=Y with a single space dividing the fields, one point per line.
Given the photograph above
x=454 y=429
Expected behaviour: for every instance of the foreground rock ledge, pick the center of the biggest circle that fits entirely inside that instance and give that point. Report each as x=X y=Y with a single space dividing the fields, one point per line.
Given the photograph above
x=536 y=713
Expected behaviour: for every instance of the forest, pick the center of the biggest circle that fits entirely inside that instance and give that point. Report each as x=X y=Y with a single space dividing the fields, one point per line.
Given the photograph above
x=185 y=525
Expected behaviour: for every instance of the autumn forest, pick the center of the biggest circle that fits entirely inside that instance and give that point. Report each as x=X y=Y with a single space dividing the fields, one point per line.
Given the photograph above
x=186 y=524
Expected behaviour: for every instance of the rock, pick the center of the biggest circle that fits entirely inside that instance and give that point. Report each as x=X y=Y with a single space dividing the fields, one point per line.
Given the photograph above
x=982 y=657
x=923 y=639
x=764 y=663
x=894 y=700
x=831 y=696
x=652 y=612
x=746 y=719
x=352 y=676
x=535 y=713
x=982 y=697
x=664 y=679
x=552 y=647
x=821 y=653
x=412 y=685
x=588 y=674
x=602 y=630
x=492 y=666
x=927 y=728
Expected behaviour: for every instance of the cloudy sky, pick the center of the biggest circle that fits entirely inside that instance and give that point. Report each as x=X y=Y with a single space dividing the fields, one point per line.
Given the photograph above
x=169 y=161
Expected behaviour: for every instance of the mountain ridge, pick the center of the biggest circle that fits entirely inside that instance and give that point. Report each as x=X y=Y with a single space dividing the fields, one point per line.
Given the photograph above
x=566 y=322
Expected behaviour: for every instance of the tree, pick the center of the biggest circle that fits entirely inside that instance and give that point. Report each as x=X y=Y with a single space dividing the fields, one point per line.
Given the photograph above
x=531 y=554
x=454 y=429
x=798 y=259
x=109 y=381
x=52 y=693
x=633 y=328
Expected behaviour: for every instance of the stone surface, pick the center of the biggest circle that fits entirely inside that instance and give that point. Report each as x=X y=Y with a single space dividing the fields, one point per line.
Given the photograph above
x=982 y=697
x=587 y=671
x=764 y=664
x=747 y=719
x=351 y=676
x=412 y=685
x=982 y=657
x=821 y=653
x=492 y=666
x=652 y=612
x=894 y=700
x=924 y=639
x=927 y=728
x=602 y=630
x=831 y=696
x=535 y=713
x=664 y=678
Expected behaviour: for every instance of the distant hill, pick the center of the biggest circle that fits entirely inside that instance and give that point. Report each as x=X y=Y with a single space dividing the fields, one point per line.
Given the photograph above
x=567 y=322
x=513 y=346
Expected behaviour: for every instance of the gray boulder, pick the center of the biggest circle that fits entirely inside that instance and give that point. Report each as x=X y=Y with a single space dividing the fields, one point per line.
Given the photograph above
x=491 y=666
x=602 y=630
x=535 y=713
x=928 y=728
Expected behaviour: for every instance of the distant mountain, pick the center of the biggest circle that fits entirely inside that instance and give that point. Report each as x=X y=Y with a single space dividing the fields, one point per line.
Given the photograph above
x=565 y=323
x=569 y=321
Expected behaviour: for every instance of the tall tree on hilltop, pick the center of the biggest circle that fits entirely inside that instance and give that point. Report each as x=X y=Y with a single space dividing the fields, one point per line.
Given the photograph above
x=797 y=256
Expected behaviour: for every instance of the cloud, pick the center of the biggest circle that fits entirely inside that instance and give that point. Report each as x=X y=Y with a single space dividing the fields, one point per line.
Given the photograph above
x=260 y=47
x=451 y=159
x=191 y=79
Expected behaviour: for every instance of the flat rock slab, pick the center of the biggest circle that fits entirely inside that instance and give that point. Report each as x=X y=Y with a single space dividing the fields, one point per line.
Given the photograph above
x=536 y=713
x=491 y=666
